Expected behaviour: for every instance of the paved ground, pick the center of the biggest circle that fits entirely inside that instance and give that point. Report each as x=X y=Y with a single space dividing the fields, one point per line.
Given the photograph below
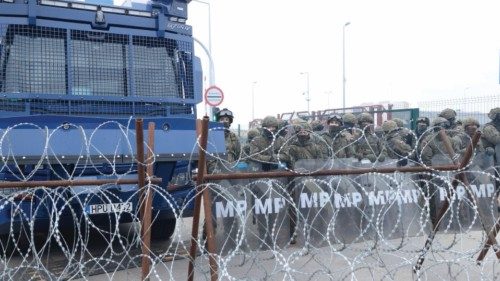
x=452 y=258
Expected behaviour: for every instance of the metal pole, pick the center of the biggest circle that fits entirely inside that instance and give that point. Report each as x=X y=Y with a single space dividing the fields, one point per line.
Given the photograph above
x=147 y=202
x=202 y=131
x=211 y=75
x=343 y=64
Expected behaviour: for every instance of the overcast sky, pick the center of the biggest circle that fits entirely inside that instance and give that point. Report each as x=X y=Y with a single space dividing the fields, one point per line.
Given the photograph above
x=395 y=50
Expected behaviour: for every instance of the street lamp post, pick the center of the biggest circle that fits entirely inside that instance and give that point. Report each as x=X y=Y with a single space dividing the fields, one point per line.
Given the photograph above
x=343 y=64
x=253 y=99
x=308 y=98
x=211 y=71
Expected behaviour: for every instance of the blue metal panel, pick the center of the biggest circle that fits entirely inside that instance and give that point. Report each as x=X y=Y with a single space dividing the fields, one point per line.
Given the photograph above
x=86 y=18
x=29 y=140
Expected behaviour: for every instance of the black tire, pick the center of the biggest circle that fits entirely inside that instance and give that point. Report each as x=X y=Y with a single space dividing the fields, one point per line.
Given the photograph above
x=162 y=229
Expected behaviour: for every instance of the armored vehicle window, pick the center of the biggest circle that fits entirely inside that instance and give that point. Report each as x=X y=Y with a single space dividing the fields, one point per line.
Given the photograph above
x=155 y=68
x=32 y=60
x=99 y=64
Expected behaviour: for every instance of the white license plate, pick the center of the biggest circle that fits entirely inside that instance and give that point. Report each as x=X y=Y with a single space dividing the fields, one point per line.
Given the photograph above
x=110 y=208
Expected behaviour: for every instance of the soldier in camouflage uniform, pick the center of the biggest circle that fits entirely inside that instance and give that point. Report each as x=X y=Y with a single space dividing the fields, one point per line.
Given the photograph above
x=317 y=126
x=337 y=141
x=491 y=133
x=231 y=141
x=369 y=145
x=406 y=134
x=451 y=116
x=251 y=134
x=470 y=126
x=264 y=148
x=233 y=146
x=433 y=144
x=395 y=145
x=350 y=123
x=283 y=128
x=300 y=145
x=491 y=142
x=423 y=124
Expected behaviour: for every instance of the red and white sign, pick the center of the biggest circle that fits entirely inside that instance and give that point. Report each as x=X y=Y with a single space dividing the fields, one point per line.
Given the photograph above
x=214 y=96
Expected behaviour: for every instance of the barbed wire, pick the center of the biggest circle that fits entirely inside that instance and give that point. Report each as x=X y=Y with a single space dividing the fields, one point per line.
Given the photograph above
x=341 y=227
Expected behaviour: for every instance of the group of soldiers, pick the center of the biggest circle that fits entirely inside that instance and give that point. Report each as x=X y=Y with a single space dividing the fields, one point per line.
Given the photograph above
x=349 y=136
x=278 y=143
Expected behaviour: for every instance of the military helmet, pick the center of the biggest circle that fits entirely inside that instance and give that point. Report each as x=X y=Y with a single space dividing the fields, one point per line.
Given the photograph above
x=317 y=126
x=448 y=113
x=424 y=120
x=335 y=117
x=270 y=121
x=252 y=133
x=399 y=122
x=365 y=117
x=493 y=112
x=389 y=126
x=224 y=112
x=470 y=121
x=350 y=118
x=439 y=121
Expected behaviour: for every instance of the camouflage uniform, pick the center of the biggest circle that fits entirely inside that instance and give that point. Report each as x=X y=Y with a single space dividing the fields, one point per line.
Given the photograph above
x=251 y=134
x=421 y=132
x=379 y=132
x=231 y=141
x=317 y=126
x=301 y=146
x=283 y=128
x=350 y=123
x=451 y=115
x=433 y=144
x=265 y=147
x=406 y=134
x=423 y=124
x=396 y=146
x=470 y=126
x=369 y=146
x=491 y=133
x=337 y=140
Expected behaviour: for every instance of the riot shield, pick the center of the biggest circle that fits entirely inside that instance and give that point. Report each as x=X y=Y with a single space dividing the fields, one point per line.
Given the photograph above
x=393 y=205
x=250 y=214
x=328 y=207
x=460 y=214
x=480 y=190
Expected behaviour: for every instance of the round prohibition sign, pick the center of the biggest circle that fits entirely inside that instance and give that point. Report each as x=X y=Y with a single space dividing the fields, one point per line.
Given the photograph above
x=214 y=96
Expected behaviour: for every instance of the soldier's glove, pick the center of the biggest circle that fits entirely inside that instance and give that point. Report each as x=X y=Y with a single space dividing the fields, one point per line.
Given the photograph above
x=490 y=151
x=371 y=157
x=381 y=158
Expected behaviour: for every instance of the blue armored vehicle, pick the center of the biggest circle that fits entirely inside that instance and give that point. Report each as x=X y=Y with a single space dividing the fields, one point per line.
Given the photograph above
x=73 y=78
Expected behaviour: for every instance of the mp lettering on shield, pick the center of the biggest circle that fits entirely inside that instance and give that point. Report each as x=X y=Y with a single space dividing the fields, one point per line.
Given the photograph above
x=347 y=200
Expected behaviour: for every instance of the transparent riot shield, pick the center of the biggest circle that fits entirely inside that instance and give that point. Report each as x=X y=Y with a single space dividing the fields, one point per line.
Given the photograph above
x=393 y=204
x=480 y=190
x=250 y=214
x=328 y=207
x=460 y=214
